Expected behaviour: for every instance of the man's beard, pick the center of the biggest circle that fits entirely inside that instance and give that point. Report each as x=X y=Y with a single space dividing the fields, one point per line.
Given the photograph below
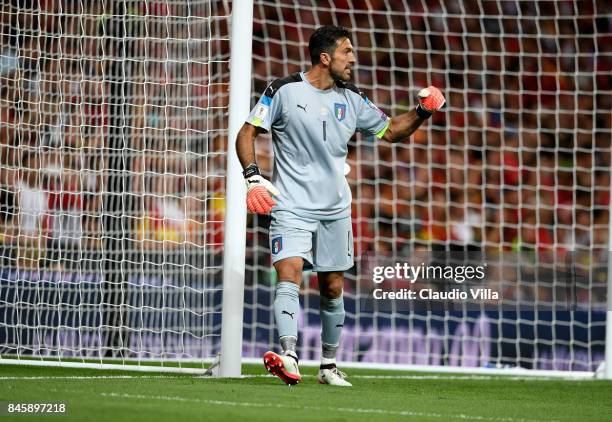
x=339 y=76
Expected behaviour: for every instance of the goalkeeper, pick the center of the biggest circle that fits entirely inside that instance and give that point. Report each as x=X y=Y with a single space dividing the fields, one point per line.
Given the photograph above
x=312 y=115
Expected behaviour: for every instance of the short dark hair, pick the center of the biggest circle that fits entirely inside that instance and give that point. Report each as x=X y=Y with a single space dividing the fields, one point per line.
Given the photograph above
x=323 y=40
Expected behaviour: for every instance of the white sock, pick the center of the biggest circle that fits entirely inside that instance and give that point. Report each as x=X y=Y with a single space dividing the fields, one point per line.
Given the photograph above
x=328 y=361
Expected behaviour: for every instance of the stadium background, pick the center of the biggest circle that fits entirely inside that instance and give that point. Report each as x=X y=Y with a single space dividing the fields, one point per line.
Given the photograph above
x=107 y=157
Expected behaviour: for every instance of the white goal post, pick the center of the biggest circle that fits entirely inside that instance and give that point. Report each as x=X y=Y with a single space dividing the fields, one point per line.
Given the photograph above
x=235 y=215
x=124 y=236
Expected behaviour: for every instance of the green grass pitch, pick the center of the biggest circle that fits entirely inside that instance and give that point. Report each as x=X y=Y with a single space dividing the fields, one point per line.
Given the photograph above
x=94 y=395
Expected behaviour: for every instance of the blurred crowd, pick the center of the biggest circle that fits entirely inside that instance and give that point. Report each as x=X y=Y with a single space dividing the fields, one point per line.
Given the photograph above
x=519 y=160
x=60 y=119
x=52 y=127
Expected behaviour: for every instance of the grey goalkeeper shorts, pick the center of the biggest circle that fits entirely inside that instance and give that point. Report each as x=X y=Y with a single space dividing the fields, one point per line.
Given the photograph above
x=324 y=245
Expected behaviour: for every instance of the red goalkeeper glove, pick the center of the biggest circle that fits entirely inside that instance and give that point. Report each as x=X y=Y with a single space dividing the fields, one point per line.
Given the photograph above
x=430 y=101
x=259 y=190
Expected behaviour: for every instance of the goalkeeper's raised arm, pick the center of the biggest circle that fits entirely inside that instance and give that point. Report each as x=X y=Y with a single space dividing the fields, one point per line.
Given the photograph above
x=403 y=125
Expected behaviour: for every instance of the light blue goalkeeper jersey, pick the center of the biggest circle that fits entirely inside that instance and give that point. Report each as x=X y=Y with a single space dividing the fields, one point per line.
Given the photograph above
x=310 y=132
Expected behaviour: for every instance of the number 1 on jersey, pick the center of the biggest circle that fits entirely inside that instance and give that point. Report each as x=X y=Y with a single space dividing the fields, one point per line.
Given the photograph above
x=324 y=130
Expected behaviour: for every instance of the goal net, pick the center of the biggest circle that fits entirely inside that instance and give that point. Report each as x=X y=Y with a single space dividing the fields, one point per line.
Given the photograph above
x=113 y=127
x=514 y=175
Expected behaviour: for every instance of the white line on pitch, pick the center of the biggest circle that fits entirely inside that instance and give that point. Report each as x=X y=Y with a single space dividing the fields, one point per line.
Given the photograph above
x=326 y=409
x=124 y=377
x=465 y=377
x=92 y=377
x=435 y=377
x=390 y=377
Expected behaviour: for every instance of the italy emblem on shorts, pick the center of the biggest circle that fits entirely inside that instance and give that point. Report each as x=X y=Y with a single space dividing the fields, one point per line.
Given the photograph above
x=340 y=111
x=277 y=245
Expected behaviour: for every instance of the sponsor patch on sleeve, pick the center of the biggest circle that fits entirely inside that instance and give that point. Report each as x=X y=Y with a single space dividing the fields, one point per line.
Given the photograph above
x=261 y=111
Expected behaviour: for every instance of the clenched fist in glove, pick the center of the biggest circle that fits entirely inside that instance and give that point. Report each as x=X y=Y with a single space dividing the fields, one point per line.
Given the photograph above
x=259 y=191
x=430 y=101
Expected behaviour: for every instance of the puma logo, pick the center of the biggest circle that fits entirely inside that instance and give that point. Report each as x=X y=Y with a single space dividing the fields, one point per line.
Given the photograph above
x=339 y=325
x=288 y=313
x=303 y=107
